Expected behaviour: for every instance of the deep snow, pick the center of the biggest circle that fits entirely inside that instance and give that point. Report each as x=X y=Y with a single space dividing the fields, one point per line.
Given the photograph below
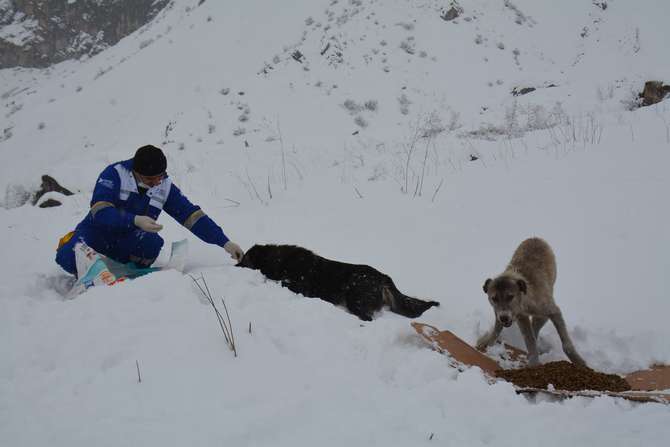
x=569 y=163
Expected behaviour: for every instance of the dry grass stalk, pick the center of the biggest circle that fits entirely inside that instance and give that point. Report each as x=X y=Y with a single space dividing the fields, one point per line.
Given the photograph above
x=224 y=323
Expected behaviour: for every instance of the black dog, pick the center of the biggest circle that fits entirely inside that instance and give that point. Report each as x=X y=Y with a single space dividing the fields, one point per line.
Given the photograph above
x=361 y=288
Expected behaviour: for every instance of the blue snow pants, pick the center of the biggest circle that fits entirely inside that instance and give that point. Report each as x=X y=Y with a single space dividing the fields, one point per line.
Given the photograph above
x=139 y=247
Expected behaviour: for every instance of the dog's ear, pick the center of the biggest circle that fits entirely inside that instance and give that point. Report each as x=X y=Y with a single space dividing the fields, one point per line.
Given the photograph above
x=246 y=261
x=486 y=285
x=522 y=285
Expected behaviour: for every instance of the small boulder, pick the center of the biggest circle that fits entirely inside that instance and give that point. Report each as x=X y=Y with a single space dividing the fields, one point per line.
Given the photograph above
x=450 y=14
x=298 y=56
x=654 y=92
x=522 y=91
x=49 y=184
x=49 y=203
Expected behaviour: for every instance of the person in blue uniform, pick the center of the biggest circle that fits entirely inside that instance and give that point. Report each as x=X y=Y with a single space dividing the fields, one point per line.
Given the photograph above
x=127 y=199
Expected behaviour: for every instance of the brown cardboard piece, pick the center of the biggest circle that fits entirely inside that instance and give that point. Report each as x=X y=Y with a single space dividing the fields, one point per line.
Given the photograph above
x=656 y=378
x=459 y=350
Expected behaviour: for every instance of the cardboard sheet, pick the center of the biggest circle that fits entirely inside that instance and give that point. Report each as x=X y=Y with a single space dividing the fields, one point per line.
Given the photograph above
x=642 y=382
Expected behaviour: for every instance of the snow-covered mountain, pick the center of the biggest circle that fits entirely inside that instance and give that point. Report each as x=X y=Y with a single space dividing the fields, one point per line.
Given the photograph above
x=424 y=138
x=39 y=33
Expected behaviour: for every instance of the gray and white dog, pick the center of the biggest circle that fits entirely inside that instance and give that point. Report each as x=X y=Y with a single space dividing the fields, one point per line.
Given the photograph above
x=524 y=293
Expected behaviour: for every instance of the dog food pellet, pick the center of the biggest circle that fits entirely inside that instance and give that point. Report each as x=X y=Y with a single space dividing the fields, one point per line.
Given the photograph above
x=563 y=375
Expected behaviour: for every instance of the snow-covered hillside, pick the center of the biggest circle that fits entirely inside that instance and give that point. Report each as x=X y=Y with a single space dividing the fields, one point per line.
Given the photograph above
x=372 y=132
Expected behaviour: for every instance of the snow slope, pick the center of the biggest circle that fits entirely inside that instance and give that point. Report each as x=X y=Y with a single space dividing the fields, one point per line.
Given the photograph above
x=401 y=147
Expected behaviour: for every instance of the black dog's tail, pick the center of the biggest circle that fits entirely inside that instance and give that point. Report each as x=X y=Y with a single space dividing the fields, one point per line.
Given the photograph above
x=405 y=305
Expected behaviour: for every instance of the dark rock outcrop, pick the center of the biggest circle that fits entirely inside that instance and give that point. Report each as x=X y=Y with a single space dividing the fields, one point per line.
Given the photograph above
x=522 y=90
x=654 y=91
x=49 y=184
x=50 y=203
x=38 y=33
x=451 y=13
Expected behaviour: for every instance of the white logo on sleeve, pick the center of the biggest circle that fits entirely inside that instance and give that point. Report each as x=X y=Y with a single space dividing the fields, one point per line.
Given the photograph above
x=106 y=183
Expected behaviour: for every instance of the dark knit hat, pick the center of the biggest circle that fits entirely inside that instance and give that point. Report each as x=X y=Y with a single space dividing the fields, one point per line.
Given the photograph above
x=149 y=160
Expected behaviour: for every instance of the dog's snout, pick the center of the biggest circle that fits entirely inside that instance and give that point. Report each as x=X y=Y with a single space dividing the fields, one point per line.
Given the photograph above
x=506 y=320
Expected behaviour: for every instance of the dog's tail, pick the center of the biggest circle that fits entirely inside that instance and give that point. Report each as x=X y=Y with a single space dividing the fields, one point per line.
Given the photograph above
x=405 y=305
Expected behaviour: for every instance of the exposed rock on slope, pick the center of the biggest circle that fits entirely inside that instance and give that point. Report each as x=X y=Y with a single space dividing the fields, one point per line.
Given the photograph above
x=38 y=33
x=654 y=92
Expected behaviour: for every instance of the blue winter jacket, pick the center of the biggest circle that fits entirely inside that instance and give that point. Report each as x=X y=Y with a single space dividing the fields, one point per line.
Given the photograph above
x=116 y=201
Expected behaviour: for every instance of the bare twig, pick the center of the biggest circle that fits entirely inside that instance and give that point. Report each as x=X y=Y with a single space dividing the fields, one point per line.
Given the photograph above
x=139 y=376
x=360 y=196
x=410 y=151
x=437 y=190
x=209 y=299
x=636 y=44
x=230 y=326
x=226 y=328
x=225 y=324
x=283 y=155
x=235 y=203
x=253 y=186
x=297 y=169
x=661 y=116
x=419 y=184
